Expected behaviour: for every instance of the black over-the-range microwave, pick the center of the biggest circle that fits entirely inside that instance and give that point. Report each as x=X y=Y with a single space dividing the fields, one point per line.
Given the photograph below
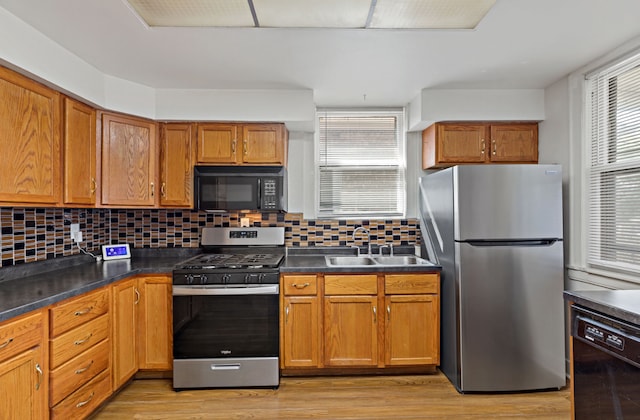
x=222 y=188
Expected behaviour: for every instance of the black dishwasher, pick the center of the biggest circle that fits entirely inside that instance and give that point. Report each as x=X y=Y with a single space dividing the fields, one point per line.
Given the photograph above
x=606 y=366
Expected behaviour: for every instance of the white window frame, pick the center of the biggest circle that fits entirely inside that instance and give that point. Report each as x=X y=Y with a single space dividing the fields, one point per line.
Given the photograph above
x=402 y=210
x=592 y=216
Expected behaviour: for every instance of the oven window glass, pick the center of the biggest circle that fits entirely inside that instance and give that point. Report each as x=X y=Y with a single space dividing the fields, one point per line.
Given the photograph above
x=605 y=386
x=225 y=326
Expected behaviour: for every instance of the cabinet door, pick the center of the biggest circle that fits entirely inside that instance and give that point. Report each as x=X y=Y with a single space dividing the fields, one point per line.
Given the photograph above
x=176 y=165
x=124 y=334
x=79 y=153
x=30 y=168
x=263 y=144
x=22 y=380
x=461 y=143
x=516 y=143
x=217 y=143
x=154 y=323
x=350 y=331
x=301 y=341
x=412 y=330
x=128 y=161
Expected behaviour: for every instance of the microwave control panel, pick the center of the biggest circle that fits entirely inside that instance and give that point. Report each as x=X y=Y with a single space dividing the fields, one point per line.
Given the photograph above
x=269 y=196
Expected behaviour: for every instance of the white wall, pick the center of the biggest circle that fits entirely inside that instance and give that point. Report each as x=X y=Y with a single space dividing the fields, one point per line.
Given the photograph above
x=433 y=105
x=29 y=52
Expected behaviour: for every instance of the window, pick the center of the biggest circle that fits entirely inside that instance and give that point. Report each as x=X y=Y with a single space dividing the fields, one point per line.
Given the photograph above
x=614 y=167
x=361 y=164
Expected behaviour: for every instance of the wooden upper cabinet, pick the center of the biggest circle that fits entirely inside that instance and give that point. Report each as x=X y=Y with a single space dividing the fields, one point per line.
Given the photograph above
x=176 y=165
x=514 y=143
x=30 y=170
x=263 y=144
x=129 y=155
x=79 y=153
x=447 y=144
x=217 y=143
x=242 y=144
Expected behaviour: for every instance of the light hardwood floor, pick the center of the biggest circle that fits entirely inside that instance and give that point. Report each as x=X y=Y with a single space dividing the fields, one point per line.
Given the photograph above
x=365 y=397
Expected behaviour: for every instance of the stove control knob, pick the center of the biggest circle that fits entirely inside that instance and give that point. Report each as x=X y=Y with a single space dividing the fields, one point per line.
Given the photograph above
x=189 y=278
x=226 y=278
x=203 y=279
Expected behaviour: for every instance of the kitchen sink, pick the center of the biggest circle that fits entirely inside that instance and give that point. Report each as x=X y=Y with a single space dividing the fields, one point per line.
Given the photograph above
x=349 y=261
x=365 y=260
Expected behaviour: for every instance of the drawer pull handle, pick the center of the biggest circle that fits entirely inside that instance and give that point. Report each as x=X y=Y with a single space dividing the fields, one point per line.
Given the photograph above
x=84 y=311
x=84 y=369
x=286 y=314
x=6 y=343
x=135 y=289
x=39 y=370
x=80 y=342
x=94 y=186
x=85 y=402
x=300 y=286
x=388 y=312
x=375 y=314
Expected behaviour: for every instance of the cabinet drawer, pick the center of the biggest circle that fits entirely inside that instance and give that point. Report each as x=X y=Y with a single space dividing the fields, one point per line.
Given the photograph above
x=78 y=311
x=411 y=284
x=300 y=285
x=85 y=400
x=20 y=334
x=77 y=371
x=74 y=342
x=356 y=284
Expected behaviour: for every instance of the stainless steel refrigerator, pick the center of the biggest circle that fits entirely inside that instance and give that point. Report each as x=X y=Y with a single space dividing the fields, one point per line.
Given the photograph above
x=496 y=230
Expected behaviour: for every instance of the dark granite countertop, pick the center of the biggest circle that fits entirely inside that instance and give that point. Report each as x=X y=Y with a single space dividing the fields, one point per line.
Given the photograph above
x=312 y=260
x=621 y=304
x=32 y=286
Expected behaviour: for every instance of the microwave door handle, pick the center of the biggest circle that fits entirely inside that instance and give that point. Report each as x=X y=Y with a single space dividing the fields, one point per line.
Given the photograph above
x=258 y=204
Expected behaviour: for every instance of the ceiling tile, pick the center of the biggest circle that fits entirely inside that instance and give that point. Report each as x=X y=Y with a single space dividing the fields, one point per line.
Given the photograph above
x=312 y=13
x=429 y=14
x=225 y=13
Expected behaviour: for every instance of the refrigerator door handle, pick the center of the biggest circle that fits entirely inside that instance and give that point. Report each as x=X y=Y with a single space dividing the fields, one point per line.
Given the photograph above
x=512 y=242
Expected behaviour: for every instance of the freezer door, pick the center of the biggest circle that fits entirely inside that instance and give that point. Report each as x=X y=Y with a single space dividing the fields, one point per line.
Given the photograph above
x=507 y=201
x=511 y=317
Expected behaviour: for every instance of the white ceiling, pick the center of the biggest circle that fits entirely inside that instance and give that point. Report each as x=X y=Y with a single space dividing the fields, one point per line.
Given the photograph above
x=525 y=44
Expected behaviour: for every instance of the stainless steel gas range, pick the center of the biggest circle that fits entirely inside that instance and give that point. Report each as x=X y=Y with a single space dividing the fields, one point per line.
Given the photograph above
x=225 y=310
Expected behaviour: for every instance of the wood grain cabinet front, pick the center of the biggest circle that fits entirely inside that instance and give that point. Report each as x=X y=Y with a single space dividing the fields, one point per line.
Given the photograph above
x=80 y=179
x=369 y=322
x=176 y=164
x=129 y=155
x=451 y=143
x=242 y=144
x=30 y=170
x=23 y=368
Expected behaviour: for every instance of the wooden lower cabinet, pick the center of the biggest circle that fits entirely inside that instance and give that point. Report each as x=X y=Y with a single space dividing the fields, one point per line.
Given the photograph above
x=350 y=331
x=125 y=297
x=341 y=322
x=301 y=330
x=23 y=368
x=407 y=317
x=155 y=329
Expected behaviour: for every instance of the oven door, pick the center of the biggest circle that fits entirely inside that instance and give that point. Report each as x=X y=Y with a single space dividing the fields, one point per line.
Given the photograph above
x=606 y=373
x=237 y=322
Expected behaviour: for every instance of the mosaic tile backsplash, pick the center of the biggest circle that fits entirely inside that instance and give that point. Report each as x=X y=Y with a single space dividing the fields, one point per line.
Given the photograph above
x=29 y=235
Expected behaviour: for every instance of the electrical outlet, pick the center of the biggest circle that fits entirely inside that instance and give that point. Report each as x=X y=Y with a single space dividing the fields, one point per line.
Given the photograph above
x=76 y=235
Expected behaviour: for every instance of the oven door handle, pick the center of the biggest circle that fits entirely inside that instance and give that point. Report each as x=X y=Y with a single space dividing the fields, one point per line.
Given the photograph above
x=225 y=291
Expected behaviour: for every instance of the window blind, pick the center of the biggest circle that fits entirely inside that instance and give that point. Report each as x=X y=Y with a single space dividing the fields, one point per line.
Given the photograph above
x=361 y=164
x=614 y=169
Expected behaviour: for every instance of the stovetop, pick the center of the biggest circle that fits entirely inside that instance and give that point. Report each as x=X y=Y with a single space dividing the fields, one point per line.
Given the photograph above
x=232 y=261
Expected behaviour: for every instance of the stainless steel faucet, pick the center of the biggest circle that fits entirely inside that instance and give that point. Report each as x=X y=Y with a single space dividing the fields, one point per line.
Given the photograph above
x=362 y=229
